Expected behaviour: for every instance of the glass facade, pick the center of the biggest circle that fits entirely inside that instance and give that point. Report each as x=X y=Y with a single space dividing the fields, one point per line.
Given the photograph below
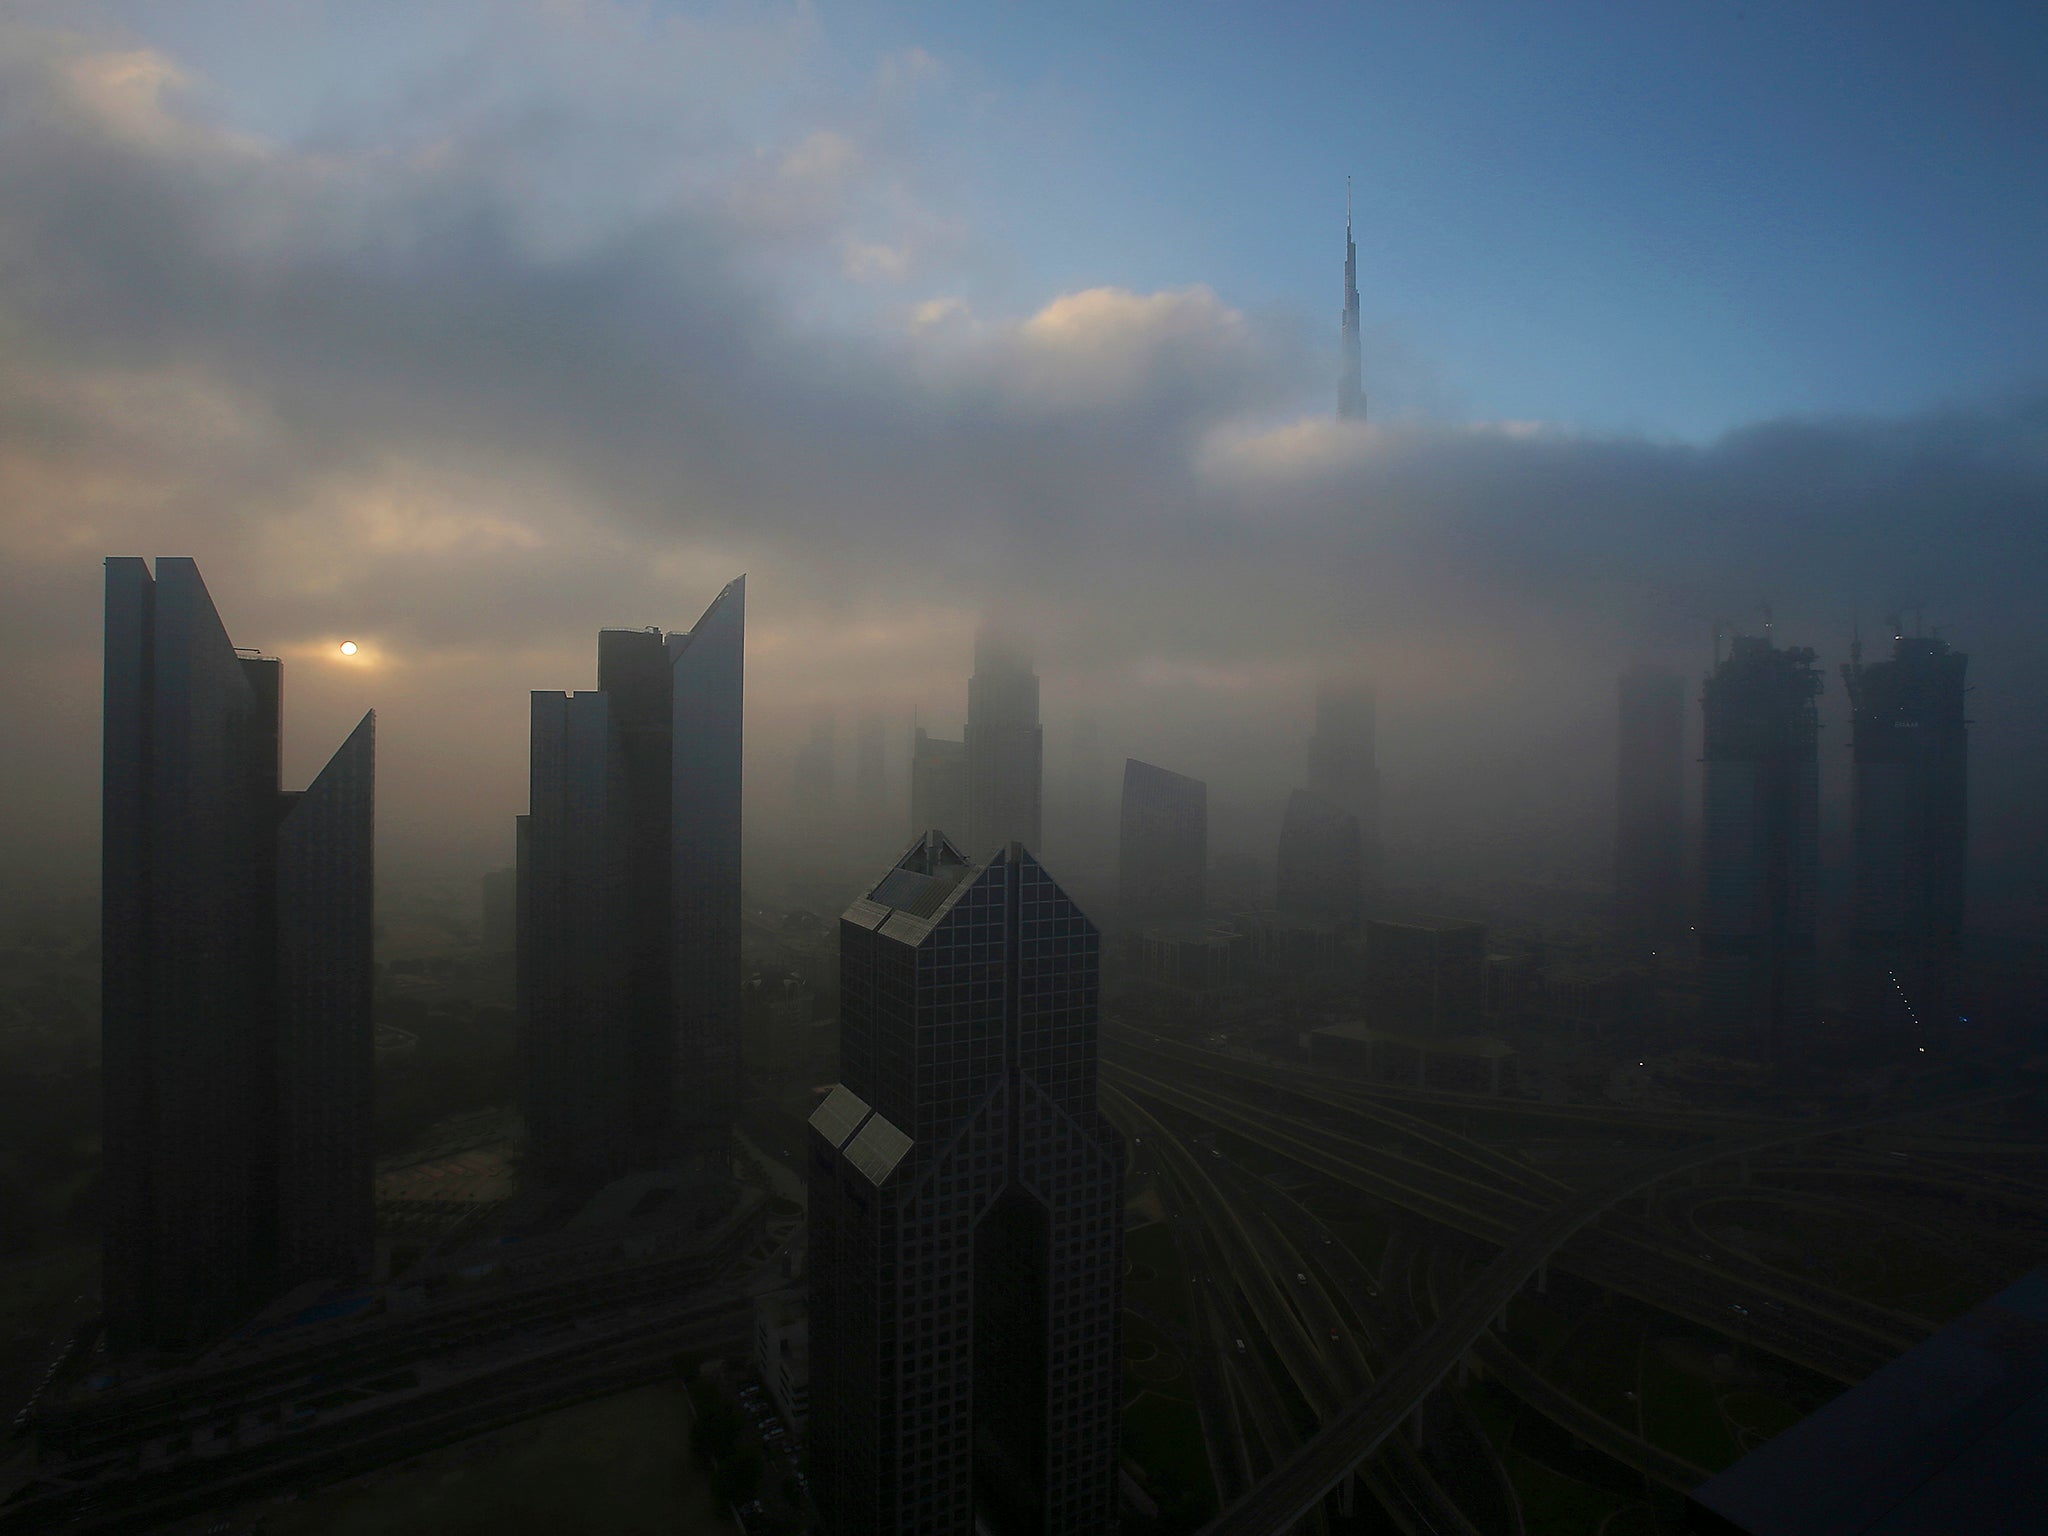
x=965 y=1297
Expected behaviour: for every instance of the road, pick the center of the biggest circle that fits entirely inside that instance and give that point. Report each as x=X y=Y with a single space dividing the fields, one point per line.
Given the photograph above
x=594 y=1363
x=1837 y=1335
x=1353 y=1435
x=1313 y=1336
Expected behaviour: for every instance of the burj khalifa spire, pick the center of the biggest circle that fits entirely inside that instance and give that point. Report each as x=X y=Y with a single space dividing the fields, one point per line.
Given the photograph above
x=1351 y=386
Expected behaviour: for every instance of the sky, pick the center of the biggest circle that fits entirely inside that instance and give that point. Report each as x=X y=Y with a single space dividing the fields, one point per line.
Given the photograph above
x=462 y=330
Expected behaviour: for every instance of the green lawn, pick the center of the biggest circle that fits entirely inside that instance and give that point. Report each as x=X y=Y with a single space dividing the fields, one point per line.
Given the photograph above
x=1536 y=1329
x=1762 y=1415
x=1163 y=1435
x=1599 y=1365
x=1155 y=1283
x=1682 y=1414
x=1556 y=1505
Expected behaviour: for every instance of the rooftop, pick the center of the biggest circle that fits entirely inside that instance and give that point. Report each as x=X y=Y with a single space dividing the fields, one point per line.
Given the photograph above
x=1945 y=1439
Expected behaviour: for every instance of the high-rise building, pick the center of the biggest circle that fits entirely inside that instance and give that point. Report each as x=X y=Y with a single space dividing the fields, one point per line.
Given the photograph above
x=1761 y=851
x=236 y=971
x=870 y=769
x=1911 y=749
x=1005 y=748
x=1162 y=847
x=1351 y=383
x=966 y=1217
x=1427 y=975
x=1317 y=873
x=938 y=784
x=1343 y=768
x=1649 y=835
x=629 y=902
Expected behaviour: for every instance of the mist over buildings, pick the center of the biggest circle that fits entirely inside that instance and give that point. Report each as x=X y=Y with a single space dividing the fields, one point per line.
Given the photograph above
x=419 y=380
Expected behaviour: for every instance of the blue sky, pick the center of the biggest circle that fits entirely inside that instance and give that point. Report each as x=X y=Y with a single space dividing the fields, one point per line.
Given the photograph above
x=1659 y=218
x=1668 y=218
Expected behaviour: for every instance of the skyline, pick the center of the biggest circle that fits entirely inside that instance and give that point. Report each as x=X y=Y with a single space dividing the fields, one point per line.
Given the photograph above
x=415 y=378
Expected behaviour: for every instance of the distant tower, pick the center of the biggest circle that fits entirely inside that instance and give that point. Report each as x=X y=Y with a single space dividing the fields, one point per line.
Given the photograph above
x=1649 y=794
x=966 y=1213
x=938 y=784
x=235 y=961
x=1351 y=386
x=1005 y=749
x=1343 y=768
x=870 y=770
x=1317 y=867
x=1162 y=847
x=1762 y=848
x=1911 y=750
x=629 y=902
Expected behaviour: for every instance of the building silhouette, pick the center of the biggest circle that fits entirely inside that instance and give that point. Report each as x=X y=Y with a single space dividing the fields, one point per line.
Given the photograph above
x=1343 y=768
x=236 y=969
x=966 y=1222
x=1911 y=751
x=1005 y=748
x=938 y=784
x=1351 y=383
x=1162 y=847
x=1318 y=864
x=1426 y=976
x=1649 y=802
x=1761 y=849
x=629 y=904
x=870 y=768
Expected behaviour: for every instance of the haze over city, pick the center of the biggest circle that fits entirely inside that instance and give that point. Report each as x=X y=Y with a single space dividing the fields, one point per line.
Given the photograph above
x=1194 y=770
x=462 y=332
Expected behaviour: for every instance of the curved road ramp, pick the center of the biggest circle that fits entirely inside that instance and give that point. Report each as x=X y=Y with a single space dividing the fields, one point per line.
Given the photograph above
x=1354 y=1434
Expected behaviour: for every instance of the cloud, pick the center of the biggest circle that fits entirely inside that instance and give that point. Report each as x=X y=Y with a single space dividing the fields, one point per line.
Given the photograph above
x=865 y=261
x=378 y=387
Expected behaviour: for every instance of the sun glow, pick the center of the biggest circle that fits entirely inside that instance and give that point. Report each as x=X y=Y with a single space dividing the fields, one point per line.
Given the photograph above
x=348 y=647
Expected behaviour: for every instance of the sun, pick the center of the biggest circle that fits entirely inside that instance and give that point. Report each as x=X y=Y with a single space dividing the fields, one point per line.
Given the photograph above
x=348 y=647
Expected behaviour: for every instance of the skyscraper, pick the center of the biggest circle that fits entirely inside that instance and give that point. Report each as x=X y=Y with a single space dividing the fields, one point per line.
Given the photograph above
x=1317 y=869
x=1911 y=747
x=870 y=767
x=1762 y=850
x=938 y=784
x=1649 y=883
x=1351 y=383
x=1343 y=768
x=965 y=1212
x=236 y=969
x=1162 y=847
x=629 y=905
x=1005 y=748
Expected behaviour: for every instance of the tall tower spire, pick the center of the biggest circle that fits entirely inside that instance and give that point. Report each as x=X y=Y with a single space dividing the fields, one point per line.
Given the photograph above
x=1351 y=385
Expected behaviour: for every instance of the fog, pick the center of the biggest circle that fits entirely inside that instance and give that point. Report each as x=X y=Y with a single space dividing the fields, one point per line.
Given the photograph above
x=421 y=382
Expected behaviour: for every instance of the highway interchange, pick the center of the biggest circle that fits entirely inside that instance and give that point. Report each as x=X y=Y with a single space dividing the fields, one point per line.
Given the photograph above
x=1338 y=1357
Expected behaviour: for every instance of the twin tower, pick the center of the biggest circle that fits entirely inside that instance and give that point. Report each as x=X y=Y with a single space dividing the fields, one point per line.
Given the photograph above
x=235 y=952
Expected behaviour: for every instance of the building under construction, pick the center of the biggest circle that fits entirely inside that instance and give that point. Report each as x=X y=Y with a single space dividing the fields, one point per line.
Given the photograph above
x=1911 y=750
x=1761 y=853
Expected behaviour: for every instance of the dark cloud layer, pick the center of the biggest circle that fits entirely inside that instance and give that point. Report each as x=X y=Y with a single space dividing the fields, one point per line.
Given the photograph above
x=360 y=385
